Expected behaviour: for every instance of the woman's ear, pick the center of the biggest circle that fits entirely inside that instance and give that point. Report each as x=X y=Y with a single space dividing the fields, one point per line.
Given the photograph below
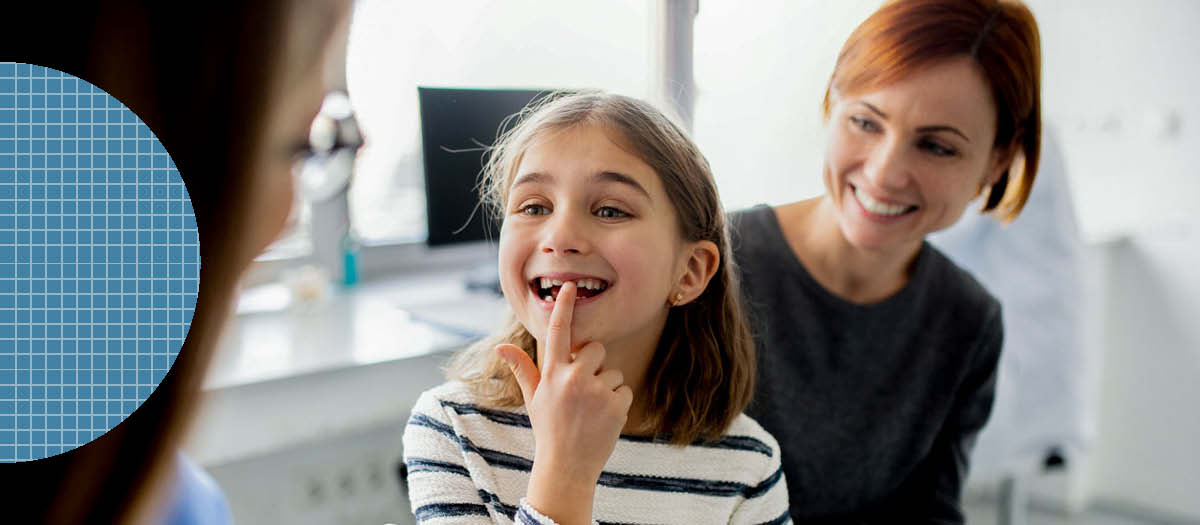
x=1000 y=162
x=700 y=264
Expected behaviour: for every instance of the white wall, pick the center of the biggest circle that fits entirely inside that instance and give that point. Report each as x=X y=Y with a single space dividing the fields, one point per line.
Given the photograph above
x=1114 y=71
x=760 y=75
x=1149 y=421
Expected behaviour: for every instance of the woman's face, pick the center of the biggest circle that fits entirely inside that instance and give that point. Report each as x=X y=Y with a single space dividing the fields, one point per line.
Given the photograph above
x=312 y=37
x=904 y=160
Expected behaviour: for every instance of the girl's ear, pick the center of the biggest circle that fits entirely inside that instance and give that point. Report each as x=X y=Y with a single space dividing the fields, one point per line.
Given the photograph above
x=700 y=265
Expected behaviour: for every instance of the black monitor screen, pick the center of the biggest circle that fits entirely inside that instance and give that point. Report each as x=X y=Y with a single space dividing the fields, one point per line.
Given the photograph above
x=456 y=127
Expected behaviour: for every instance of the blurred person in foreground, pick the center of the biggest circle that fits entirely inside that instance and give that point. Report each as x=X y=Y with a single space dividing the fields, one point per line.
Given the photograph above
x=230 y=90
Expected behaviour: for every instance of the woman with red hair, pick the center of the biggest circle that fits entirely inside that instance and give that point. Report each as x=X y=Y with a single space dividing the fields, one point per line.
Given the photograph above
x=877 y=355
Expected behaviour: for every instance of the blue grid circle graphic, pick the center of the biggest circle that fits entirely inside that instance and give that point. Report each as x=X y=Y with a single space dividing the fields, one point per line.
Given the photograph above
x=99 y=262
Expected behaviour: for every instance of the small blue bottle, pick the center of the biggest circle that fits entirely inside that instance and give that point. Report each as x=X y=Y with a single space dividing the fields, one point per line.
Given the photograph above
x=350 y=249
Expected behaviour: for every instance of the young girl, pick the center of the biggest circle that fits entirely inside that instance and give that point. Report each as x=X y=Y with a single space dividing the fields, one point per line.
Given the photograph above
x=616 y=393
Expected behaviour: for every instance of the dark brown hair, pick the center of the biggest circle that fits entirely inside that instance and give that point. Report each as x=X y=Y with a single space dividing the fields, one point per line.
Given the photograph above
x=702 y=373
x=1001 y=36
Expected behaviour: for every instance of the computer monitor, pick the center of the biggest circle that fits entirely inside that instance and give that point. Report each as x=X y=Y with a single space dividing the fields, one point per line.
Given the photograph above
x=457 y=126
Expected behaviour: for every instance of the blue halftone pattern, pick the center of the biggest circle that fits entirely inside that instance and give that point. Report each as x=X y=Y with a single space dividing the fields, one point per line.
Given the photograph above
x=99 y=262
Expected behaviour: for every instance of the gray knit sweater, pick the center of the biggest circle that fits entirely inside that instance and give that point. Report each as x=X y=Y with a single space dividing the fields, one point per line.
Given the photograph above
x=875 y=407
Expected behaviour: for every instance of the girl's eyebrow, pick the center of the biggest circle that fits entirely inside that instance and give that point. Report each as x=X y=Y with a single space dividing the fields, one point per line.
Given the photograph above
x=535 y=177
x=620 y=178
x=531 y=178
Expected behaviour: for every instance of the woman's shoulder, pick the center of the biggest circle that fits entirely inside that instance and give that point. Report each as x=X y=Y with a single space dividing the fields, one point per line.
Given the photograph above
x=755 y=235
x=751 y=220
x=756 y=212
x=953 y=286
x=975 y=314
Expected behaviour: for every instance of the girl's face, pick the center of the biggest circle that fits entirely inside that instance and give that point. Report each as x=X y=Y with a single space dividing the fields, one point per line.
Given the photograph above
x=903 y=161
x=581 y=208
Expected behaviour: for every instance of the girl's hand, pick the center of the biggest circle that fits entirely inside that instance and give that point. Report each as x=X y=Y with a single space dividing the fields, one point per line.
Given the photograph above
x=577 y=410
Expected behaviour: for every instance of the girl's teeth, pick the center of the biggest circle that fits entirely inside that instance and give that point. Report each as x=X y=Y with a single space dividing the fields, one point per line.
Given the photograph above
x=589 y=284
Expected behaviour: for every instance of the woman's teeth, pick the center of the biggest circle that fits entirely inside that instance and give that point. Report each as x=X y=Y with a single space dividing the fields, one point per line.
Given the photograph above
x=877 y=207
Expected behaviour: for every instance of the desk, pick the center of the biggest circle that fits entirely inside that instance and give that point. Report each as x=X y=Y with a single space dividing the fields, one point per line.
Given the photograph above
x=305 y=404
x=357 y=360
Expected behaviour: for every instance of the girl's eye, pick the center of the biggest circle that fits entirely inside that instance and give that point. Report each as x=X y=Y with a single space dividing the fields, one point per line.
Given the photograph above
x=937 y=149
x=608 y=212
x=534 y=209
x=863 y=124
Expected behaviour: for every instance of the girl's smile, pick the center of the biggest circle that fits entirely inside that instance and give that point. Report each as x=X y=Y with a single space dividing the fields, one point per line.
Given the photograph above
x=547 y=285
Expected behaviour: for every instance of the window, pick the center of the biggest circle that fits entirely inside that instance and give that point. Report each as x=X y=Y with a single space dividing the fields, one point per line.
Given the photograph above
x=396 y=46
x=760 y=75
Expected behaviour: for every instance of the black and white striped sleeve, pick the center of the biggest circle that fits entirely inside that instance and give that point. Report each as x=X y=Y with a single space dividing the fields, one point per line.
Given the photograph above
x=440 y=488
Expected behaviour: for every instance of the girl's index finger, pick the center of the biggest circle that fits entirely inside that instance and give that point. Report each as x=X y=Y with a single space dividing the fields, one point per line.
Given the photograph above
x=558 y=336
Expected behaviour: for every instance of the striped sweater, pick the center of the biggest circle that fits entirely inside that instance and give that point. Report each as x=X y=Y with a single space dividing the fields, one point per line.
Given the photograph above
x=469 y=464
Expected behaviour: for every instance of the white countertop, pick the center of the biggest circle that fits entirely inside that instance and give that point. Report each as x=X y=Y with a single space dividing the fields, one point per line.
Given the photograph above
x=291 y=374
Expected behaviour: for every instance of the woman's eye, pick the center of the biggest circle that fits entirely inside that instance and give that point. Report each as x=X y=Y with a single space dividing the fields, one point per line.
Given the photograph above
x=937 y=149
x=534 y=209
x=863 y=124
x=608 y=212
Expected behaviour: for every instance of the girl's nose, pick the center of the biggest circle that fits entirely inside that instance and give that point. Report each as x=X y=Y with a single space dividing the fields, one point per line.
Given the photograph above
x=564 y=235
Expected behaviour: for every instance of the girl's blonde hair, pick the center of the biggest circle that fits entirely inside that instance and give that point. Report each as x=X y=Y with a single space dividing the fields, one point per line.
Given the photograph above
x=702 y=373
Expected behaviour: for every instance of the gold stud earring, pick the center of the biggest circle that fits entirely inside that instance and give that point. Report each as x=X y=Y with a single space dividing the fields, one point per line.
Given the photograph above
x=678 y=298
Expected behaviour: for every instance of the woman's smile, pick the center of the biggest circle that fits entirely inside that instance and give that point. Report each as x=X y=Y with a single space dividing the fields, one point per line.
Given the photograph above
x=879 y=210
